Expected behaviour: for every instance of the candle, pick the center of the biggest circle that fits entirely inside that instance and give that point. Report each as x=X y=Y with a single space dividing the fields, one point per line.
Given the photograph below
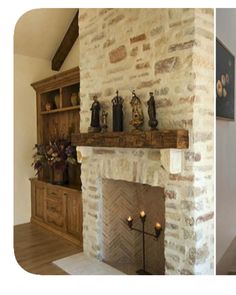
x=130 y=222
x=158 y=225
x=142 y=214
x=158 y=229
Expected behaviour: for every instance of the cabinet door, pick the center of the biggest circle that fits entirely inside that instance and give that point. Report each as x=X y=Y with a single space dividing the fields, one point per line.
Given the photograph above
x=55 y=209
x=74 y=214
x=38 y=194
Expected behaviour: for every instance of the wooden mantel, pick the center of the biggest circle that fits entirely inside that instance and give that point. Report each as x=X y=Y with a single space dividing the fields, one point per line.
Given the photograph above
x=163 y=139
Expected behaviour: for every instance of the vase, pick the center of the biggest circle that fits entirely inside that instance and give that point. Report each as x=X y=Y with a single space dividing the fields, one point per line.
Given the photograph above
x=74 y=172
x=50 y=174
x=48 y=106
x=58 y=176
x=74 y=99
x=57 y=101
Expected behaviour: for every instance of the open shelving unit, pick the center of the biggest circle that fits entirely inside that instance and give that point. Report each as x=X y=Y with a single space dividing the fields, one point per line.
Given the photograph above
x=63 y=118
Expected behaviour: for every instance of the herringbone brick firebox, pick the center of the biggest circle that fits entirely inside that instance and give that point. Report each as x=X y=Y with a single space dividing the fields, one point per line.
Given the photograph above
x=121 y=247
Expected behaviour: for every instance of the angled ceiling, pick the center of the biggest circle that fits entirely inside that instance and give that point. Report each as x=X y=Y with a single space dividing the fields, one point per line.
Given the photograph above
x=39 y=32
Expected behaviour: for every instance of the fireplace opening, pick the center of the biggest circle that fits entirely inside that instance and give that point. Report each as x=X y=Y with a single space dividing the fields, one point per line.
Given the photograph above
x=122 y=247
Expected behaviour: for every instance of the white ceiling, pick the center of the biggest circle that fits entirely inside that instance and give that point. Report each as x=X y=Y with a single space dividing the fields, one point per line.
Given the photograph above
x=39 y=32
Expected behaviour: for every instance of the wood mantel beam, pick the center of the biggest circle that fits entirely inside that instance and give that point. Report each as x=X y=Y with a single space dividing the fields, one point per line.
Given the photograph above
x=66 y=44
x=162 y=139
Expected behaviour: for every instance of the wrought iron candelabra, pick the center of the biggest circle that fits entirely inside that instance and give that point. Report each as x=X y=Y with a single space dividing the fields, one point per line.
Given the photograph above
x=158 y=230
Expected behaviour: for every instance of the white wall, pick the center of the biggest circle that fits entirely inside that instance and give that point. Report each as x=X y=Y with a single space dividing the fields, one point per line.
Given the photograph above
x=225 y=150
x=28 y=70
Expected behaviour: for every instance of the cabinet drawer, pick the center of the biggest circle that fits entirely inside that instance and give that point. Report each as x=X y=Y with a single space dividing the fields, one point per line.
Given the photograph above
x=54 y=205
x=55 y=209
x=53 y=192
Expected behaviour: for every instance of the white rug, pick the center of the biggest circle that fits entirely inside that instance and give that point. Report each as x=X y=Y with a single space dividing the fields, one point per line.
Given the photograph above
x=80 y=264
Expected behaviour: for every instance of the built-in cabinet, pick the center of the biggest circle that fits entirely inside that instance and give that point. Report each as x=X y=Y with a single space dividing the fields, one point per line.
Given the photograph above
x=58 y=209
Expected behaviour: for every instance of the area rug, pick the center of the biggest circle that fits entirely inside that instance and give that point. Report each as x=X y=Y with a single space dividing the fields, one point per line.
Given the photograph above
x=80 y=264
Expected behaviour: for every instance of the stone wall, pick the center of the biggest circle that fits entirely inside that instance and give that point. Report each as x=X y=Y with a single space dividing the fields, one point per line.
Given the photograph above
x=169 y=52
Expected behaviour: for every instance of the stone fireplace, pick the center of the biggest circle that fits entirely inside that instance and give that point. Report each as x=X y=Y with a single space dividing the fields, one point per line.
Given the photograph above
x=168 y=52
x=149 y=167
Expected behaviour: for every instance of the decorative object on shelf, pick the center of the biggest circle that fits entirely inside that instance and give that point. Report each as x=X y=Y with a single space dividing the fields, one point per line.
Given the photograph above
x=74 y=99
x=95 y=116
x=137 y=113
x=57 y=101
x=56 y=155
x=104 y=121
x=117 y=112
x=48 y=106
x=225 y=76
x=152 y=112
x=157 y=228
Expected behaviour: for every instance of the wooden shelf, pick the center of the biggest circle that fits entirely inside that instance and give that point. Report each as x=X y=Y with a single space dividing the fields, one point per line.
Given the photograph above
x=163 y=139
x=60 y=110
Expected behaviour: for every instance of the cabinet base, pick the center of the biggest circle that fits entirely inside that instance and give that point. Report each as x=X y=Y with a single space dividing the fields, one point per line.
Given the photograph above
x=63 y=235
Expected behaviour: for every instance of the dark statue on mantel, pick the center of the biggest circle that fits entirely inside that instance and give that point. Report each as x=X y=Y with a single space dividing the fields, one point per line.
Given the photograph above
x=104 y=121
x=117 y=112
x=137 y=113
x=95 y=116
x=152 y=112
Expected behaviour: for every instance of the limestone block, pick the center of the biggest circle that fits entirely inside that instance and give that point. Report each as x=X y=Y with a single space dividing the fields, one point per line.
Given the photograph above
x=83 y=153
x=171 y=159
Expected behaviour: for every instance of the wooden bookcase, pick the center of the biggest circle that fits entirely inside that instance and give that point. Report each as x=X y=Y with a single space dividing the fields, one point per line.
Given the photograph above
x=62 y=209
x=62 y=121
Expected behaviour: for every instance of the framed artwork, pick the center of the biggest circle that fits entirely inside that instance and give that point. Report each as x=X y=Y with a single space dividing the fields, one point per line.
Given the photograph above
x=224 y=82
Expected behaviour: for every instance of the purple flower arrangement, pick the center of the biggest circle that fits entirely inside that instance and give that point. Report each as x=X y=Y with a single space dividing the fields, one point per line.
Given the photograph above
x=56 y=154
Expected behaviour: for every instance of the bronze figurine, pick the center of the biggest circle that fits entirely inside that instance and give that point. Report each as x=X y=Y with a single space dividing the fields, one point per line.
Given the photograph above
x=152 y=112
x=137 y=113
x=95 y=116
x=117 y=112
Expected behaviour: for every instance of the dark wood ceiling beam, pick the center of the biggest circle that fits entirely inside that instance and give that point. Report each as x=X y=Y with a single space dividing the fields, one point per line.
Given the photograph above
x=66 y=44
